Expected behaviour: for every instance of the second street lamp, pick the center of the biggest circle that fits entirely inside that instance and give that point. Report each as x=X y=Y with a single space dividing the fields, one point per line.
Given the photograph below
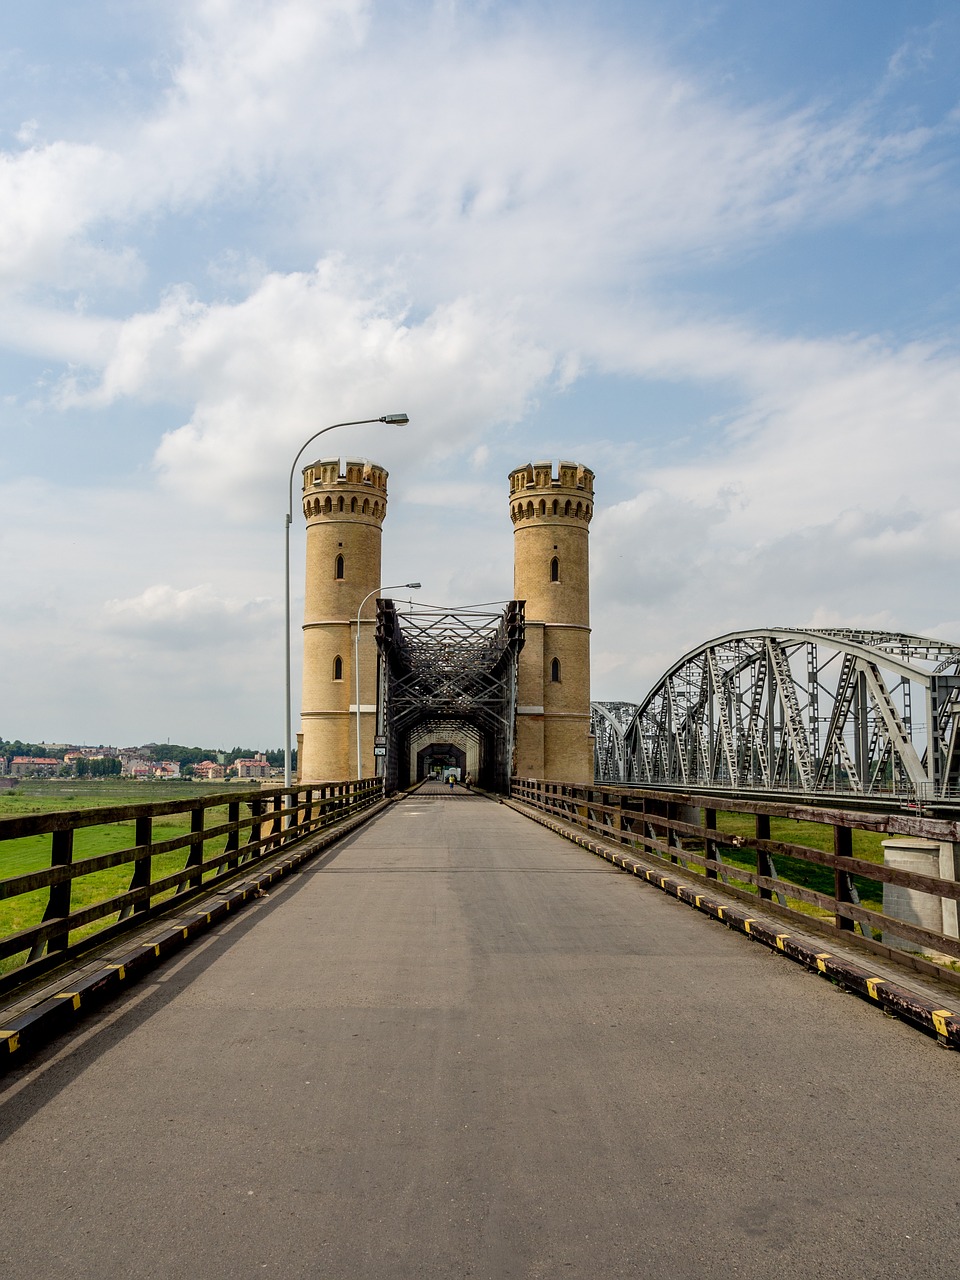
x=413 y=586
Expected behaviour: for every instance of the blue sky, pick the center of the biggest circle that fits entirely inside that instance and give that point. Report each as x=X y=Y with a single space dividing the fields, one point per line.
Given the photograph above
x=709 y=249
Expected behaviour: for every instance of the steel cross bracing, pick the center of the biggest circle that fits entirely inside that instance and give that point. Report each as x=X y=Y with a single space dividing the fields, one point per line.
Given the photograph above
x=443 y=668
x=808 y=711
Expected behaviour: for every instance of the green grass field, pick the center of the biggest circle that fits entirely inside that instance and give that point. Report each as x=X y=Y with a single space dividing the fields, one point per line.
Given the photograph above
x=32 y=853
x=46 y=795
x=807 y=875
x=814 y=835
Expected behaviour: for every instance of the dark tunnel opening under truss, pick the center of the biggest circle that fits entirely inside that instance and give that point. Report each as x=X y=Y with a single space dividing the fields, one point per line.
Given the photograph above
x=449 y=673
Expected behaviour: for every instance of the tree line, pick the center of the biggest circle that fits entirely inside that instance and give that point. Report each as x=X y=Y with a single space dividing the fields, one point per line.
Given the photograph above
x=183 y=755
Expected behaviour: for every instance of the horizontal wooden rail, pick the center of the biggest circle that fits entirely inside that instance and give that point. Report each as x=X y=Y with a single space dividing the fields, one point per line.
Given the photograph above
x=74 y=893
x=796 y=881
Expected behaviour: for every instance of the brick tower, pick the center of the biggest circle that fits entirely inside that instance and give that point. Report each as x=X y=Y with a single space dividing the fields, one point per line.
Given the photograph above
x=551 y=517
x=344 y=513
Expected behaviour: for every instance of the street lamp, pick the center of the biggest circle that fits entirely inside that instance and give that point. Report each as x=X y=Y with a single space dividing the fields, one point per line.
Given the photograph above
x=414 y=586
x=396 y=419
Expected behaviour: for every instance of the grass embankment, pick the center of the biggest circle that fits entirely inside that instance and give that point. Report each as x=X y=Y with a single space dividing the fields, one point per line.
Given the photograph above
x=32 y=853
x=808 y=875
x=813 y=835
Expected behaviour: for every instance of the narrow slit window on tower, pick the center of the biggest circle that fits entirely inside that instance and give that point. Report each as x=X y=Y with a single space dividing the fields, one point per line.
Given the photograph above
x=338 y=570
x=338 y=668
x=555 y=671
x=554 y=570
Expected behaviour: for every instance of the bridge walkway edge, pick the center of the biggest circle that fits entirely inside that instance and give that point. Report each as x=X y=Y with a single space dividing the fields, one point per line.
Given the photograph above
x=923 y=1005
x=52 y=1005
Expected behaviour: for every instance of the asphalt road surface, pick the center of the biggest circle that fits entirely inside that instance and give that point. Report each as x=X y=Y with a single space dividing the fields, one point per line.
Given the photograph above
x=457 y=1045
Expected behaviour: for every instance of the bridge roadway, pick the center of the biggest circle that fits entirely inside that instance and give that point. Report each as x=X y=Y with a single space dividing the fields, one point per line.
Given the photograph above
x=458 y=1045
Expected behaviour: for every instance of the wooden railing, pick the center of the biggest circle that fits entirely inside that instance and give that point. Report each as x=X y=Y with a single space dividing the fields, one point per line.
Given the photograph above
x=831 y=874
x=75 y=890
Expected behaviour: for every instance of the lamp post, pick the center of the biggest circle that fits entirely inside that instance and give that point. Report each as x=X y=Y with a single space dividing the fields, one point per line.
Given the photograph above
x=414 y=586
x=398 y=419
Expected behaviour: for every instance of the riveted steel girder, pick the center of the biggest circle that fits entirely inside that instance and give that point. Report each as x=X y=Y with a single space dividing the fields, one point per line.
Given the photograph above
x=447 y=668
x=813 y=711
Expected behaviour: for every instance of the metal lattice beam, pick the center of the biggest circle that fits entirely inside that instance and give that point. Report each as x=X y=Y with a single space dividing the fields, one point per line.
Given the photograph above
x=825 y=711
x=450 y=668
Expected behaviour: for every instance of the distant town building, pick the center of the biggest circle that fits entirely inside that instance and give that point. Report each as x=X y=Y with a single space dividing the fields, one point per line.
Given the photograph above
x=34 y=766
x=209 y=770
x=135 y=765
x=257 y=768
x=167 y=769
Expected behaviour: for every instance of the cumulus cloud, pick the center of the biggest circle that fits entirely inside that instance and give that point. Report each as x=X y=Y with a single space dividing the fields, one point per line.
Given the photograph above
x=501 y=221
x=829 y=498
x=302 y=350
x=510 y=149
x=126 y=617
x=161 y=613
x=831 y=426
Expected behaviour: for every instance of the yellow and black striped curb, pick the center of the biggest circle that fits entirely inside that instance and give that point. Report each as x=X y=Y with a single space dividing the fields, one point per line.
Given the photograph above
x=900 y=1002
x=30 y=1030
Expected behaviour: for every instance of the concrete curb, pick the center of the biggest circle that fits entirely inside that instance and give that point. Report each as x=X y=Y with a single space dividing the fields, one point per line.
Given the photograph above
x=24 y=1034
x=895 y=1000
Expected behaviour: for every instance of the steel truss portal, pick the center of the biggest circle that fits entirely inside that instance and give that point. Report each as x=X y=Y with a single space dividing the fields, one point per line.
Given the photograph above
x=808 y=711
x=443 y=670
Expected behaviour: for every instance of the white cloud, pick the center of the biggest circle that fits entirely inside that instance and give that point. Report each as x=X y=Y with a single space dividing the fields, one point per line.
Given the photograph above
x=304 y=350
x=161 y=613
x=514 y=151
x=829 y=499
x=49 y=196
x=455 y=242
x=97 y=643
x=831 y=426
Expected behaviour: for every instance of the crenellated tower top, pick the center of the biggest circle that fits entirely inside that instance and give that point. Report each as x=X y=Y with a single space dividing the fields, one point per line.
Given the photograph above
x=357 y=493
x=537 y=495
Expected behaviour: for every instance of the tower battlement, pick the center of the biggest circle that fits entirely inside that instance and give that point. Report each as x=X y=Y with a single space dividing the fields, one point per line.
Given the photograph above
x=536 y=493
x=358 y=491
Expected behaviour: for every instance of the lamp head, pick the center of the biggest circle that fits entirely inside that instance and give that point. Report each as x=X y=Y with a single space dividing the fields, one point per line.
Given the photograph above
x=414 y=586
x=395 y=419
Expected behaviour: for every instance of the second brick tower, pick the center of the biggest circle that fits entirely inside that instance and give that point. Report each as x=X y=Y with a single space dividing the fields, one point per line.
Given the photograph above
x=551 y=516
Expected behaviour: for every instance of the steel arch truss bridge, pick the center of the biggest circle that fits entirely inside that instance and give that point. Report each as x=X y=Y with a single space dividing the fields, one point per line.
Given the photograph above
x=446 y=670
x=832 y=711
